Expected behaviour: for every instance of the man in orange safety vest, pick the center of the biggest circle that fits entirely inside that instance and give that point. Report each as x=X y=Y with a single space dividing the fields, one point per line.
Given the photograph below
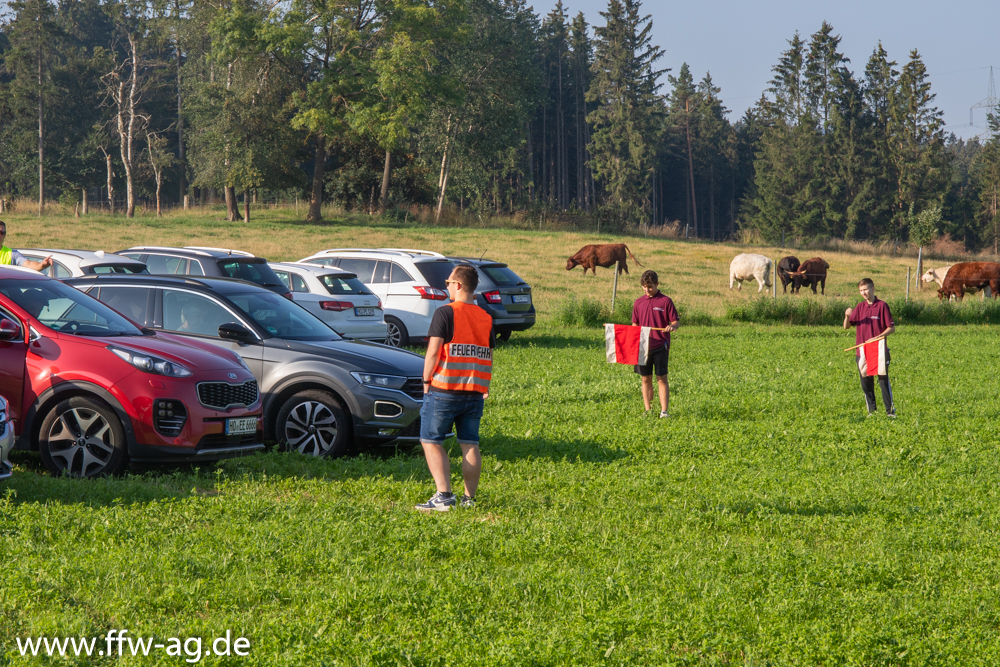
x=457 y=371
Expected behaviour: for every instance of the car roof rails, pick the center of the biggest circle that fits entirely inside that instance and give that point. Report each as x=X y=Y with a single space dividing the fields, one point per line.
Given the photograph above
x=408 y=251
x=224 y=250
x=140 y=248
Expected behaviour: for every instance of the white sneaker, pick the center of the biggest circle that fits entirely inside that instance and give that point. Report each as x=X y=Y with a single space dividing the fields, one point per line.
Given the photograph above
x=663 y=414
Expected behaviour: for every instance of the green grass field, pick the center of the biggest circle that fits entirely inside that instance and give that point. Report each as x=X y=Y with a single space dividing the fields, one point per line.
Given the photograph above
x=767 y=522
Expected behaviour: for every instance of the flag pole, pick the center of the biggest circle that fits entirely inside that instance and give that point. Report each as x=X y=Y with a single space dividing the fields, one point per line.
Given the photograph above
x=879 y=337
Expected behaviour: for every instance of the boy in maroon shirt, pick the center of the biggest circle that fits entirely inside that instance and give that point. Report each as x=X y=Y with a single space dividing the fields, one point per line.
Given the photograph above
x=655 y=310
x=872 y=318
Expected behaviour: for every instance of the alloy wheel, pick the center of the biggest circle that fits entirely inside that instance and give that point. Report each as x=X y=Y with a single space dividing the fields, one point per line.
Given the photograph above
x=311 y=428
x=81 y=442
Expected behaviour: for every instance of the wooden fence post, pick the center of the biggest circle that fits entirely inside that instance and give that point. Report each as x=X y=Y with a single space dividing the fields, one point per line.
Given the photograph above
x=614 y=291
x=907 y=284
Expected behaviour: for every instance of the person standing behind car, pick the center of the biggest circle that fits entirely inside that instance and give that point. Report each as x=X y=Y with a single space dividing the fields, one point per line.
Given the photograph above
x=457 y=371
x=9 y=256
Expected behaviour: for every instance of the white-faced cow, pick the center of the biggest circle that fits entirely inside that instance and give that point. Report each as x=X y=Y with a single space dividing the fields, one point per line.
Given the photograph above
x=971 y=277
x=747 y=266
x=936 y=275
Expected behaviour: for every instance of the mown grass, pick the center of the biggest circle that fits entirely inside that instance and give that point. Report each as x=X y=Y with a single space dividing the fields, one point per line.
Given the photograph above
x=767 y=522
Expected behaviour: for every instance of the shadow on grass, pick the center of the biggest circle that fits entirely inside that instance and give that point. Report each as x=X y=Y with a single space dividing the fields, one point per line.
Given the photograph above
x=32 y=484
x=559 y=341
x=748 y=507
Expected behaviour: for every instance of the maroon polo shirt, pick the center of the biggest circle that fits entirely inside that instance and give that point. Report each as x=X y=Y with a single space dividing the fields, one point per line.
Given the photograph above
x=655 y=311
x=869 y=320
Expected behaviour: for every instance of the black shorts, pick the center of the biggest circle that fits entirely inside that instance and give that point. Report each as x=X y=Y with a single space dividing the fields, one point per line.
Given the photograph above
x=657 y=358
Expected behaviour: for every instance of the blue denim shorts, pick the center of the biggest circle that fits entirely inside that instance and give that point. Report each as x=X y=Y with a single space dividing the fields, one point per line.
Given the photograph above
x=440 y=411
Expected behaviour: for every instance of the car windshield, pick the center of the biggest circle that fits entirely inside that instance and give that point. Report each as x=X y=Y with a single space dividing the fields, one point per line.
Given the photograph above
x=435 y=272
x=343 y=285
x=281 y=317
x=502 y=276
x=66 y=309
x=256 y=272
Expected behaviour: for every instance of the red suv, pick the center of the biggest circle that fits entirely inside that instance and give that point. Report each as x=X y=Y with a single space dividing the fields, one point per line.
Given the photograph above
x=91 y=391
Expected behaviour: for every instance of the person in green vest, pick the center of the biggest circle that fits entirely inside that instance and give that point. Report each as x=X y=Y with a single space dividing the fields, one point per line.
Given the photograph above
x=9 y=256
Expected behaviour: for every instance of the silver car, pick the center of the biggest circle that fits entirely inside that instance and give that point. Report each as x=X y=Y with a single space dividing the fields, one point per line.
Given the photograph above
x=6 y=439
x=336 y=297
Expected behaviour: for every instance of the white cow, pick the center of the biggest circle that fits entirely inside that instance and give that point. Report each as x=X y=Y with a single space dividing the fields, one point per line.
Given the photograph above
x=936 y=275
x=747 y=266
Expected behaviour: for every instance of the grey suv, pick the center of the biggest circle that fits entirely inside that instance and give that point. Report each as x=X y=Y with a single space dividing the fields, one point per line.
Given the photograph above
x=310 y=378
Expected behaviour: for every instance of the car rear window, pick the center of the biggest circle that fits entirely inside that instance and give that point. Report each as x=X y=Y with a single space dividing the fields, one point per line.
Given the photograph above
x=501 y=275
x=255 y=272
x=344 y=285
x=118 y=268
x=436 y=272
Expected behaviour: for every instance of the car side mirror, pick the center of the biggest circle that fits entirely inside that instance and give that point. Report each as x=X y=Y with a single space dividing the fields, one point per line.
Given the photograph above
x=237 y=332
x=9 y=330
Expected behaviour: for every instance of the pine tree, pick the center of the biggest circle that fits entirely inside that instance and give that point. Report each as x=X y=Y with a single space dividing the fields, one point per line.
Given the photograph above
x=917 y=142
x=625 y=88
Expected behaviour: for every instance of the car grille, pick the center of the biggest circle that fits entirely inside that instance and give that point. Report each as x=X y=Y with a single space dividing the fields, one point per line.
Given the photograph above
x=214 y=440
x=411 y=431
x=414 y=388
x=221 y=395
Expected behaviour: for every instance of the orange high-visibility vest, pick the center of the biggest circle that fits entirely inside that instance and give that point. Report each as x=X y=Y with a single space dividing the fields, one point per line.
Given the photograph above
x=466 y=363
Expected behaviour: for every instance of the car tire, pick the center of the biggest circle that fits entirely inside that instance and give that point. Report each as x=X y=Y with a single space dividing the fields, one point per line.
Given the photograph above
x=503 y=336
x=395 y=333
x=82 y=437
x=312 y=423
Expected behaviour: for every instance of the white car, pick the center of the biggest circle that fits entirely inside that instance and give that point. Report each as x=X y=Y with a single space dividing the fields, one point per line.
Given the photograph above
x=409 y=282
x=6 y=439
x=76 y=263
x=336 y=297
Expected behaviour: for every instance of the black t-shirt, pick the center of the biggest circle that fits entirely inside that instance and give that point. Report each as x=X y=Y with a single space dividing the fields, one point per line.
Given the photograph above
x=443 y=326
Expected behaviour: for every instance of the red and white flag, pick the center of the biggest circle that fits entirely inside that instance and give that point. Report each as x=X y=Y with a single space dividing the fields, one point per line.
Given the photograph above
x=627 y=344
x=871 y=361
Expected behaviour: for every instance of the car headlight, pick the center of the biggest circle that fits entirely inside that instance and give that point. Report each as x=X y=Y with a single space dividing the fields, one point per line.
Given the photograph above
x=384 y=381
x=151 y=364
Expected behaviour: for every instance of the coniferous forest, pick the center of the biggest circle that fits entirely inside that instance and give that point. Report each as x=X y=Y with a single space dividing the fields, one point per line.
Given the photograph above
x=478 y=105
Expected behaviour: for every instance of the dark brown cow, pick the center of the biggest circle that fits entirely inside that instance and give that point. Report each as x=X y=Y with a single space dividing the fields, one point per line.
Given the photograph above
x=605 y=255
x=811 y=273
x=972 y=277
x=786 y=267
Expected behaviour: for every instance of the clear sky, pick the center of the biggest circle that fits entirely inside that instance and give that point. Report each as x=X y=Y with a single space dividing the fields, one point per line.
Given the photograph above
x=739 y=42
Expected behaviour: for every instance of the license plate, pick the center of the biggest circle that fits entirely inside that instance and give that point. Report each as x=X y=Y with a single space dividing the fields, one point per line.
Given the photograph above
x=241 y=426
x=522 y=298
x=364 y=312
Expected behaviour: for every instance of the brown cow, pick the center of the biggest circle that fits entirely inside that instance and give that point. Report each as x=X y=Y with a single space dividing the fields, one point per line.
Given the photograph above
x=811 y=272
x=604 y=255
x=786 y=267
x=970 y=276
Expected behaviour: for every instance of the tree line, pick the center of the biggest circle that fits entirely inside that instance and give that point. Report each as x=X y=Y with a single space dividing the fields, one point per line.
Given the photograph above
x=482 y=105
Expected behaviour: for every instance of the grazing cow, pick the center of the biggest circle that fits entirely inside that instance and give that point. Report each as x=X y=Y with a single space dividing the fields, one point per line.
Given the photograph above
x=604 y=255
x=970 y=277
x=811 y=273
x=747 y=266
x=936 y=275
x=786 y=267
